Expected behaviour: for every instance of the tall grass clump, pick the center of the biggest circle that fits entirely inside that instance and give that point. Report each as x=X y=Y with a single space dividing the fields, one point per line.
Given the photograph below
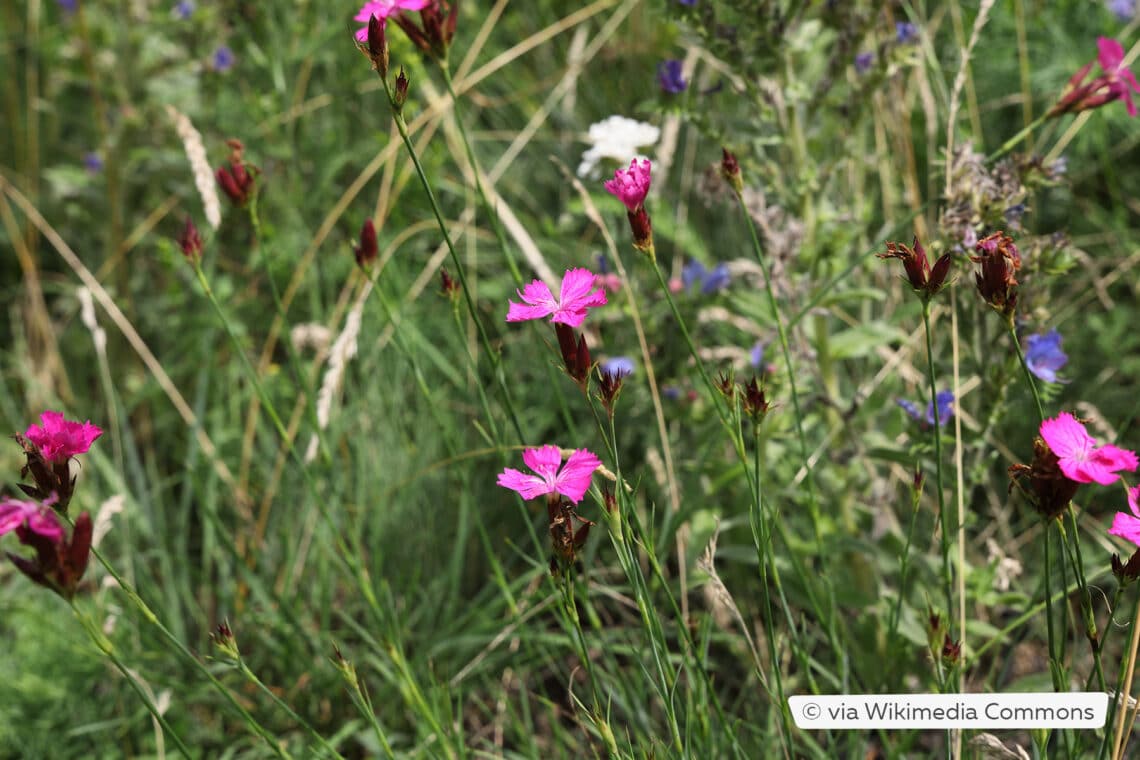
x=433 y=379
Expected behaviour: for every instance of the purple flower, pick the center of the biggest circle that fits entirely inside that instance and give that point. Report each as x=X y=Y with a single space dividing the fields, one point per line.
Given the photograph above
x=1124 y=10
x=669 y=77
x=863 y=62
x=618 y=366
x=223 y=58
x=689 y=3
x=715 y=280
x=68 y=6
x=692 y=273
x=183 y=9
x=671 y=392
x=1043 y=355
x=945 y=408
x=92 y=162
x=906 y=33
x=711 y=280
x=756 y=355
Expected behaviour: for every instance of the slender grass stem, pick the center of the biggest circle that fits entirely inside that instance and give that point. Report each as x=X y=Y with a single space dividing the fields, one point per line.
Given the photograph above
x=944 y=523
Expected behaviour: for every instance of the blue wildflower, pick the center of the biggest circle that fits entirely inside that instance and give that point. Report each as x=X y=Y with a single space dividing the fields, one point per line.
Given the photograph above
x=715 y=280
x=1124 y=10
x=223 y=59
x=671 y=392
x=68 y=6
x=945 y=408
x=183 y=9
x=692 y=273
x=93 y=162
x=669 y=77
x=906 y=33
x=863 y=62
x=689 y=3
x=618 y=366
x=756 y=355
x=603 y=263
x=1043 y=355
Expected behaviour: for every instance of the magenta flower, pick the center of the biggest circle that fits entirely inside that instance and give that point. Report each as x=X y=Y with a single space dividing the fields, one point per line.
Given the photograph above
x=631 y=185
x=36 y=517
x=1119 y=79
x=572 y=481
x=382 y=9
x=569 y=308
x=1078 y=455
x=58 y=439
x=1127 y=526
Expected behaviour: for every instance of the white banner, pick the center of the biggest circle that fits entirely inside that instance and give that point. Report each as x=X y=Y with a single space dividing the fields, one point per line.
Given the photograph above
x=1024 y=710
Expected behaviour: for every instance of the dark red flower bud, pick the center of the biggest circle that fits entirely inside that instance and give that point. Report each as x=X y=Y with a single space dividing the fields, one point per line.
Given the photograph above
x=438 y=22
x=642 y=228
x=378 y=46
x=1126 y=572
x=726 y=386
x=367 y=251
x=730 y=170
x=996 y=280
x=575 y=354
x=609 y=388
x=400 y=96
x=236 y=182
x=190 y=241
x=951 y=651
x=449 y=286
x=925 y=280
x=755 y=403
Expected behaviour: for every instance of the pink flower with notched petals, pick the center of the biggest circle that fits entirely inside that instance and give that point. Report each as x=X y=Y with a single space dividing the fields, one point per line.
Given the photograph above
x=572 y=481
x=382 y=9
x=1079 y=457
x=1120 y=80
x=1127 y=526
x=574 y=298
x=58 y=439
x=36 y=517
x=631 y=185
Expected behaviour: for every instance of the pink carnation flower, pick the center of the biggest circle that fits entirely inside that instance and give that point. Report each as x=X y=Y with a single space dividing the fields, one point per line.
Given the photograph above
x=1120 y=80
x=58 y=439
x=382 y=9
x=572 y=481
x=1080 y=458
x=1128 y=526
x=37 y=518
x=569 y=308
x=631 y=185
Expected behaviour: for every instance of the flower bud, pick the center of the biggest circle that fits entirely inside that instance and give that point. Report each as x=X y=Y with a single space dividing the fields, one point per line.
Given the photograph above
x=367 y=251
x=400 y=96
x=190 y=241
x=730 y=170
x=378 y=46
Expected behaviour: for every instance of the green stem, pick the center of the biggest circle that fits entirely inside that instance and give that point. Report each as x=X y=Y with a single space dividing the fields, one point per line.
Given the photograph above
x=947 y=571
x=495 y=358
x=108 y=649
x=253 y=679
x=1025 y=369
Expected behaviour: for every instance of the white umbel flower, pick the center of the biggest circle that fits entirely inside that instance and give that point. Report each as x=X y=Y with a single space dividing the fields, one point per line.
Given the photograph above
x=619 y=138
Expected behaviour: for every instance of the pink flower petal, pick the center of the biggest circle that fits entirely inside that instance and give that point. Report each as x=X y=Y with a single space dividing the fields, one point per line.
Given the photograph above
x=539 y=303
x=528 y=486
x=59 y=439
x=574 y=480
x=13 y=512
x=1111 y=53
x=44 y=522
x=630 y=186
x=1134 y=500
x=1066 y=437
x=1126 y=526
x=543 y=460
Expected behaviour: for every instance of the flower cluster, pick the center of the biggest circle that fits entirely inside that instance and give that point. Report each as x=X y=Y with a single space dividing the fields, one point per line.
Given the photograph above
x=60 y=560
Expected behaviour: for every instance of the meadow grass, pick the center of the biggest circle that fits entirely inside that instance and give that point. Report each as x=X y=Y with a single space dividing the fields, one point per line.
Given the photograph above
x=302 y=547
